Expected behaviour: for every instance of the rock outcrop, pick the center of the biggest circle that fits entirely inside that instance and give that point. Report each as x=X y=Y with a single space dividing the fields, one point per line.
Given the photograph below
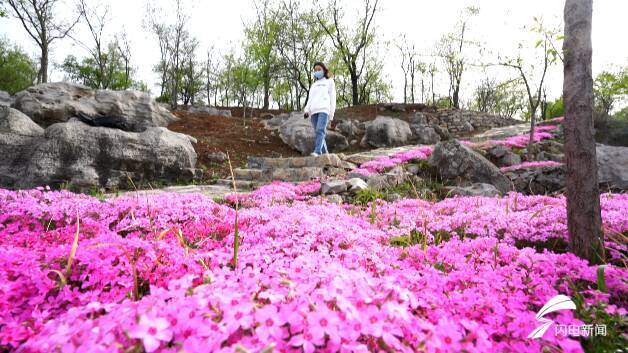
x=298 y=133
x=5 y=99
x=210 y=111
x=51 y=103
x=453 y=160
x=86 y=156
x=387 y=132
x=612 y=166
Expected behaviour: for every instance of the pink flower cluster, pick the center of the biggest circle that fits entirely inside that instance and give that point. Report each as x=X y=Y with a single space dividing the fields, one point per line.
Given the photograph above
x=152 y=274
x=277 y=191
x=379 y=164
x=534 y=164
x=541 y=133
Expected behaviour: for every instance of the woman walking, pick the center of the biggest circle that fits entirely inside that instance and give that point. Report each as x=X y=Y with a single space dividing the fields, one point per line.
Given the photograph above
x=321 y=106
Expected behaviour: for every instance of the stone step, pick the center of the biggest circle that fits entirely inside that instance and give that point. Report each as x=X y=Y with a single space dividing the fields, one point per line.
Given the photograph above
x=248 y=174
x=282 y=174
x=211 y=190
x=322 y=161
x=240 y=184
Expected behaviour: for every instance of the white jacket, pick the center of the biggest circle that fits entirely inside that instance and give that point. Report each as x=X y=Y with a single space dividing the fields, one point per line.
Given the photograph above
x=322 y=98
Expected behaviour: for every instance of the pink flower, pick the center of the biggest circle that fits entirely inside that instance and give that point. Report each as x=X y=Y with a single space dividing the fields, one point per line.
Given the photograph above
x=152 y=331
x=323 y=321
x=270 y=323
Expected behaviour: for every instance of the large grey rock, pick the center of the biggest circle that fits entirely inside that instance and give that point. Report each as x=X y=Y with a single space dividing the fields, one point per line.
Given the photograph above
x=357 y=184
x=453 y=160
x=425 y=135
x=210 y=111
x=18 y=137
x=386 y=132
x=612 y=164
x=333 y=187
x=538 y=181
x=510 y=159
x=348 y=128
x=86 y=156
x=298 y=133
x=476 y=189
x=51 y=103
x=5 y=99
x=276 y=121
x=15 y=122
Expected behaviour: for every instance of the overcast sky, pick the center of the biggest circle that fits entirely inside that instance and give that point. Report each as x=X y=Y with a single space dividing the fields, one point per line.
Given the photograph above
x=499 y=28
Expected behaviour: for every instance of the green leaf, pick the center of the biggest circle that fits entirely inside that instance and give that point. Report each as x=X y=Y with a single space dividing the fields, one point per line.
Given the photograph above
x=601 y=280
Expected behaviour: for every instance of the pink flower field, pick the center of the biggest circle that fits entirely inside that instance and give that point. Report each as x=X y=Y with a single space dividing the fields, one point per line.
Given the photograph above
x=154 y=273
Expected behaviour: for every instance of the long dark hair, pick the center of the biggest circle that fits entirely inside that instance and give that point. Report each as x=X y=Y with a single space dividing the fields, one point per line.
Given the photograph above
x=325 y=69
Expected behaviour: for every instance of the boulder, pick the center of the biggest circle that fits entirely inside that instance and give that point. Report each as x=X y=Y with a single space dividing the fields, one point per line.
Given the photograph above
x=510 y=158
x=453 y=160
x=276 y=121
x=476 y=189
x=298 y=133
x=5 y=99
x=334 y=198
x=210 y=111
x=87 y=156
x=51 y=103
x=217 y=157
x=15 y=122
x=423 y=134
x=612 y=164
x=347 y=128
x=333 y=187
x=18 y=137
x=386 y=131
x=357 y=184
x=538 y=181
x=442 y=132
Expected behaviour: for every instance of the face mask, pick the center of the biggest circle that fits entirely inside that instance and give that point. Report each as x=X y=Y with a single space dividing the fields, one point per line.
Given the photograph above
x=319 y=74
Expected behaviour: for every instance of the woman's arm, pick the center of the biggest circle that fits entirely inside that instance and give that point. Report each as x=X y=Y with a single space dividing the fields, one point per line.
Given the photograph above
x=332 y=99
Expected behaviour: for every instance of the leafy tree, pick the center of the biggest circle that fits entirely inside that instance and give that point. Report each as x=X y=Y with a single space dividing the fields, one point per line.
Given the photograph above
x=548 y=56
x=609 y=88
x=554 y=109
x=112 y=72
x=501 y=98
x=352 y=44
x=41 y=22
x=451 y=50
x=17 y=69
x=262 y=38
x=301 y=42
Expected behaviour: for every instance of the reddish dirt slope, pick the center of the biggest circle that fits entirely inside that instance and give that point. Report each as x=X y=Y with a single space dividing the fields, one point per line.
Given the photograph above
x=228 y=135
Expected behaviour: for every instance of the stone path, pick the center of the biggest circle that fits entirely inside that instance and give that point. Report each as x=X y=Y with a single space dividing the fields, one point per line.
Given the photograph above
x=502 y=132
x=261 y=170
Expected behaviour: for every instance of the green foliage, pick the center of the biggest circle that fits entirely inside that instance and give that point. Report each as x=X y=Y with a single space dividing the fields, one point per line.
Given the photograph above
x=113 y=74
x=555 y=109
x=17 y=70
x=609 y=88
x=504 y=98
x=365 y=196
x=616 y=325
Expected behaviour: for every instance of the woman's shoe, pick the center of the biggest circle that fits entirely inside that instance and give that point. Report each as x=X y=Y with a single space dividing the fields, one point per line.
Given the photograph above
x=314 y=154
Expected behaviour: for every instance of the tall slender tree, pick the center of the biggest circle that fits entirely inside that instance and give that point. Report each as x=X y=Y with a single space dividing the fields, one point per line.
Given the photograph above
x=352 y=43
x=584 y=220
x=40 y=20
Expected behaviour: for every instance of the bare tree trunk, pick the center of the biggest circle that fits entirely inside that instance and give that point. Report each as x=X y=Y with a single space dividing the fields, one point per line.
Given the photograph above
x=43 y=65
x=583 y=199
